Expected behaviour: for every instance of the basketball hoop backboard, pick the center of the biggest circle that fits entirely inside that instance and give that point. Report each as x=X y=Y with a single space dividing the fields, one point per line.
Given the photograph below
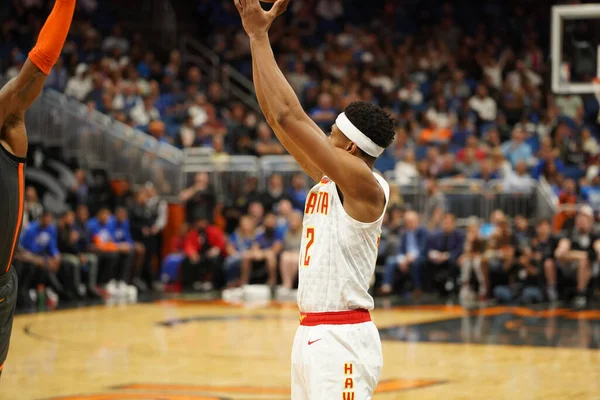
x=575 y=74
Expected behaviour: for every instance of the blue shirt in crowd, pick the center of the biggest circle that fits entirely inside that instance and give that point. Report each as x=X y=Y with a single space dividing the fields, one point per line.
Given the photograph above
x=265 y=241
x=121 y=232
x=42 y=241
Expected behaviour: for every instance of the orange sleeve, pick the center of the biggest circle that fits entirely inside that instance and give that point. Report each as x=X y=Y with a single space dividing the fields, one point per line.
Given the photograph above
x=53 y=35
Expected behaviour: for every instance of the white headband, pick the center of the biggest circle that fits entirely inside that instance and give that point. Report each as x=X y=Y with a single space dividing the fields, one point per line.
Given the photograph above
x=354 y=134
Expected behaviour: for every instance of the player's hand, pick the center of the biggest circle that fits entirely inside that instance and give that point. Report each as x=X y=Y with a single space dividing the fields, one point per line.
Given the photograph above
x=257 y=21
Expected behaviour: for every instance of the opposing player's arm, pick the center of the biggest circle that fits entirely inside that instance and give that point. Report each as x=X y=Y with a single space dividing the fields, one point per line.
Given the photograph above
x=20 y=92
x=297 y=132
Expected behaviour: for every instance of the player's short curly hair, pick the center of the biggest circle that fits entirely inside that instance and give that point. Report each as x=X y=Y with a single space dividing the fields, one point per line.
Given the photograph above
x=373 y=121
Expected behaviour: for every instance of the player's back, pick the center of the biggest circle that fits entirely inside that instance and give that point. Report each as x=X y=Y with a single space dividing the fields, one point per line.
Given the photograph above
x=338 y=253
x=11 y=205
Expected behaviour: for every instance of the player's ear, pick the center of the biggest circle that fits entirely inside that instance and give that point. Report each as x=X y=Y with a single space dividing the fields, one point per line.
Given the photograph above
x=351 y=148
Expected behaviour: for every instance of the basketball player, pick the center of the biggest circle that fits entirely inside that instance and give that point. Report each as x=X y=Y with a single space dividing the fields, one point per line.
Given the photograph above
x=337 y=350
x=15 y=98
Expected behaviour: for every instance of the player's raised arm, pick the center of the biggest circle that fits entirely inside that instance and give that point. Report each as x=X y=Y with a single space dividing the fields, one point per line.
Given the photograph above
x=18 y=94
x=294 y=128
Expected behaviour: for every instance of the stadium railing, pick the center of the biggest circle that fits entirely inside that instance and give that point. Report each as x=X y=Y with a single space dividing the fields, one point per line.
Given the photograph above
x=97 y=141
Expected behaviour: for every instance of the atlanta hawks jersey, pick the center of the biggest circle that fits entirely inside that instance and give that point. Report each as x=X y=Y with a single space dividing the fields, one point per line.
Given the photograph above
x=338 y=254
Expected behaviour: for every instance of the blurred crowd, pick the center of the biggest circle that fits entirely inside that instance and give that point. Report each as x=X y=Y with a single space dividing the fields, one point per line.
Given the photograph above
x=471 y=95
x=468 y=84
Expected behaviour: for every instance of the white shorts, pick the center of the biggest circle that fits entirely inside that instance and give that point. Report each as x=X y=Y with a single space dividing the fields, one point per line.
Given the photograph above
x=336 y=358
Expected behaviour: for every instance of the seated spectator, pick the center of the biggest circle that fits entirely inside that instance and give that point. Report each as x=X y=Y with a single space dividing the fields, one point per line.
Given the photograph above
x=265 y=249
x=486 y=172
x=449 y=168
x=266 y=144
x=73 y=243
x=205 y=248
x=543 y=246
x=470 y=166
x=239 y=246
x=291 y=253
x=484 y=106
x=480 y=152
x=325 y=113
x=176 y=255
x=405 y=170
x=470 y=262
x=42 y=259
x=144 y=112
x=298 y=191
x=275 y=193
x=409 y=257
x=577 y=251
x=516 y=149
x=519 y=181
x=568 y=196
x=442 y=251
x=436 y=205
x=115 y=257
x=80 y=84
x=499 y=258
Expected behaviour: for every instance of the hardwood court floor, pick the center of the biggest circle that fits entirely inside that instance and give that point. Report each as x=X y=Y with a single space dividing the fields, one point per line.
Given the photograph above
x=180 y=350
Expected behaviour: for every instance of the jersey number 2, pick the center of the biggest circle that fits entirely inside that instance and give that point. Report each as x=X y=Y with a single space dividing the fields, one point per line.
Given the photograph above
x=310 y=240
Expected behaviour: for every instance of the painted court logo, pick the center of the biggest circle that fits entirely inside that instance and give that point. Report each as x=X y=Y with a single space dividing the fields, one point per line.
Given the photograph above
x=214 y=392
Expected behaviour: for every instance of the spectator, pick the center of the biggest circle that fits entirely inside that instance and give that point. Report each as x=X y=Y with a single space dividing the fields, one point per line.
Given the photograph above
x=443 y=250
x=410 y=256
x=275 y=193
x=449 y=168
x=266 y=144
x=239 y=246
x=470 y=166
x=435 y=206
x=205 y=247
x=144 y=112
x=298 y=191
x=499 y=258
x=80 y=85
x=516 y=149
x=73 y=243
x=543 y=246
x=39 y=243
x=484 y=106
x=291 y=252
x=33 y=210
x=115 y=257
x=116 y=41
x=519 y=181
x=570 y=105
x=577 y=251
x=140 y=219
x=80 y=191
x=471 y=262
x=324 y=114
x=405 y=170
x=266 y=248
x=199 y=199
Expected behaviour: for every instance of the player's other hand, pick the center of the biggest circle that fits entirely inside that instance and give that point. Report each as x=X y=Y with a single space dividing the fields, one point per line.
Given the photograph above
x=257 y=21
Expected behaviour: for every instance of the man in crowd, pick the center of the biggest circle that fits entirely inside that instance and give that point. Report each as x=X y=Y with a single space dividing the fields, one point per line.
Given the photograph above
x=409 y=257
x=443 y=250
x=577 y=251
x=73 y=243
x=204 y=247
x=266 y=248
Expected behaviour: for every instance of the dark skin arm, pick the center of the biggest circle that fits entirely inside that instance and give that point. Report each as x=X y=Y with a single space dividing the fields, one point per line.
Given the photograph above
x=15 y=98
x=319 y=155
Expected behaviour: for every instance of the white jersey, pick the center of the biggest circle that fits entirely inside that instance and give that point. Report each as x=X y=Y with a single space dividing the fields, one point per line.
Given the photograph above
x=338 y=254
